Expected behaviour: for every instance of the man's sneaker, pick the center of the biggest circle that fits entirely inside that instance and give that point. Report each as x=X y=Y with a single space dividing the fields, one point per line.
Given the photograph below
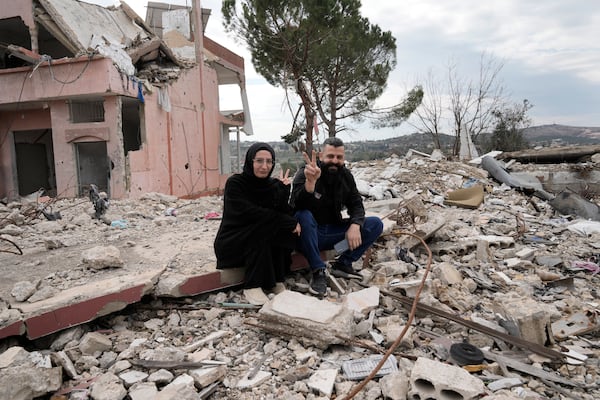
x=318 y=283
x=340 y=270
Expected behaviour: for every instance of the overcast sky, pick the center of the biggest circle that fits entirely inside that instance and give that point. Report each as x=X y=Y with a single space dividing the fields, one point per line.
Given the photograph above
x=550 y=51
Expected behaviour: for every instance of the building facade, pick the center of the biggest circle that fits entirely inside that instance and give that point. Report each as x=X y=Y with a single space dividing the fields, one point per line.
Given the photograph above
x=95 y=95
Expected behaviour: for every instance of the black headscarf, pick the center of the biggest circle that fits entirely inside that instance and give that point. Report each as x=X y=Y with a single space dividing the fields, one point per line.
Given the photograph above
x=248 y=169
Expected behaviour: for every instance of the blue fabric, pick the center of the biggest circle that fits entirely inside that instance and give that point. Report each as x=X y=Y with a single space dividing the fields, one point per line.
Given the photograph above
x=315 y=238
x=140 y=95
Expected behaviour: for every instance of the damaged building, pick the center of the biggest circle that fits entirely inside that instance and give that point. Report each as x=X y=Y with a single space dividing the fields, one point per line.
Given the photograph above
x=95 y=95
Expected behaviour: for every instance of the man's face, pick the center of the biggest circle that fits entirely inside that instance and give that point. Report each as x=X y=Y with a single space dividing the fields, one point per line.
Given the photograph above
x=332 y=158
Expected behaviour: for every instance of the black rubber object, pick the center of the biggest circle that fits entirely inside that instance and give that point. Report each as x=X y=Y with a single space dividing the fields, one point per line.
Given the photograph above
x=466 y=354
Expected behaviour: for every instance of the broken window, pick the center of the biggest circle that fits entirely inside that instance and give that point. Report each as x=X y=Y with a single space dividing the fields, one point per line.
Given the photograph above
x=86 y=111
x=131 y=112
x=15 y=31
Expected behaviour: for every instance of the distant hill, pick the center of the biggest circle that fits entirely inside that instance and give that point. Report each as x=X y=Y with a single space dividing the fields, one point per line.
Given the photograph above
x=543 y=135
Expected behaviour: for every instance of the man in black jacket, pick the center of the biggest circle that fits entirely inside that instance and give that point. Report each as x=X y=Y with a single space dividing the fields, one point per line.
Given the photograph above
x=321 y=190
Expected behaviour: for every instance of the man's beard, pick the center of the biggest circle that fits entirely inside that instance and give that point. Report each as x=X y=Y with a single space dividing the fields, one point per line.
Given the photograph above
x=330 y=172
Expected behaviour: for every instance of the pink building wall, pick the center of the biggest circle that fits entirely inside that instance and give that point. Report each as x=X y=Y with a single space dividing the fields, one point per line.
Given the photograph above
x=22 y=8
x=187 y=137
x=179 y=152
x=179 y=155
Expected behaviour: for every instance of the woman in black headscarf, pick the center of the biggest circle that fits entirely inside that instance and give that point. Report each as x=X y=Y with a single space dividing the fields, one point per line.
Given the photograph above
x=258 y=230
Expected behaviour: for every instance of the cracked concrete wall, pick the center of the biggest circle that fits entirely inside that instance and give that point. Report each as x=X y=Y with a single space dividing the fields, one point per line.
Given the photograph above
x=180 y=156
x=65 y=134
x=180 y=152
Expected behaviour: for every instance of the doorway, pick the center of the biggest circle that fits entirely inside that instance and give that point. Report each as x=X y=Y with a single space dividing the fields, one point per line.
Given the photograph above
x=92 y=167
x=34 y=156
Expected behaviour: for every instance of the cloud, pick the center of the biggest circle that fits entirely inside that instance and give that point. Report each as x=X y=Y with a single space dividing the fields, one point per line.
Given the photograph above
x=549 y=49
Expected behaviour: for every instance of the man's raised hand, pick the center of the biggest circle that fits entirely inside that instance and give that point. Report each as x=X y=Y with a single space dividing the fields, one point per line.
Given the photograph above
x=312 y=172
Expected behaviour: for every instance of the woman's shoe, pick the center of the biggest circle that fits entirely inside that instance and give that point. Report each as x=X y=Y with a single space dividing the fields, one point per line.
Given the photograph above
x=278 y=288
x=255 y=296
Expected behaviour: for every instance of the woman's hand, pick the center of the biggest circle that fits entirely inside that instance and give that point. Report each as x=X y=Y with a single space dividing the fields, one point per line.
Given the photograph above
x=285 y=178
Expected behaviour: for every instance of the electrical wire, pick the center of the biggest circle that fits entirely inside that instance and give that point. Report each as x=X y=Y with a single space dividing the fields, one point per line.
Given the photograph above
x=90 y=56
x=411 y=317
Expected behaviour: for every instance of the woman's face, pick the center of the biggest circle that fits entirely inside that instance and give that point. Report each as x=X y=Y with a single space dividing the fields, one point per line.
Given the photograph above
x=262 y=164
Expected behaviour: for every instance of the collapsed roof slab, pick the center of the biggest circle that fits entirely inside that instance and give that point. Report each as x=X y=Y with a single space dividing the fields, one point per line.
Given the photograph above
x=117 y=33
x=85 y=303
x=81 y=21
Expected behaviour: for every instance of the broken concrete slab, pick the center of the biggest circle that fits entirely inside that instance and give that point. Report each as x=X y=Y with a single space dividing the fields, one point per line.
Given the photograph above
x=522 y=182
x=260 y=377
x=25 y=382
x=557 y=154
x=322 y=381
x=313 y=321
x=573 y=325
x=363 y=300
x=570 y=203
x=85 y=303
x=531 y=320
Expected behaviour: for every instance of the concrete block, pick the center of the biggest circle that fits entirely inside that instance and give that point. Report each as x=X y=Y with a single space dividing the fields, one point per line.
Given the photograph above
x=143 y=391
x=410 y=287
x=322 y=381
x=312 y=321
x=512 y=262
x=448 y=274
x=530 y=318
x=182 y=388
x=93 y=342
x=526 y=253
x=132 y=377
x=258 y=379
x=364 y=300
x=504 y=383
x=431 y=379
x=394 y=386
x=27 y=382
x=205 y=376
x=13 y=356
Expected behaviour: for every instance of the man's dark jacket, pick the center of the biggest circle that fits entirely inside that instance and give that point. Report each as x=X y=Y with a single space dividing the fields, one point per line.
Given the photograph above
x=332 y=194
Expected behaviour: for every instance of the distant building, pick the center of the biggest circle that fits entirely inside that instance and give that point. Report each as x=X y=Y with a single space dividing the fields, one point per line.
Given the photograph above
x=95 y=95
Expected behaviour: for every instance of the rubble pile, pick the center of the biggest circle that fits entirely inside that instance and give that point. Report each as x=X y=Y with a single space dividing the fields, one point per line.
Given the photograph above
x=507 y=301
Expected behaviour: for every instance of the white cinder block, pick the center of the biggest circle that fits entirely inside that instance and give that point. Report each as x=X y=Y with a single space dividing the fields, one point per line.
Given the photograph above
x=431 y=379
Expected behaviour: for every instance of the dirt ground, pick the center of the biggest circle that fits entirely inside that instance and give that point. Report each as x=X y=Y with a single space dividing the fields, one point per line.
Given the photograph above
x=144 y=235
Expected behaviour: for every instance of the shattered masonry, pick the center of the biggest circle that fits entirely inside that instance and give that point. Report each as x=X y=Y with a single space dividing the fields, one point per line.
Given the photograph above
x=512 y=276
x=95 y=95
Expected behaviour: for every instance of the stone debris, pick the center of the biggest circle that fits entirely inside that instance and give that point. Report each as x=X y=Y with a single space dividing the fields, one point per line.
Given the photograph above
x=512 y=264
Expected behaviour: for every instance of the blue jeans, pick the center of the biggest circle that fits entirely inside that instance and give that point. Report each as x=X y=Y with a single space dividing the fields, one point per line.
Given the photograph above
x=314 y=238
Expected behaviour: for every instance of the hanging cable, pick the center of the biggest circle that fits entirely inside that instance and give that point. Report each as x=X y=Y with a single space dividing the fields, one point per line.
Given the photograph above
x=90 y=56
